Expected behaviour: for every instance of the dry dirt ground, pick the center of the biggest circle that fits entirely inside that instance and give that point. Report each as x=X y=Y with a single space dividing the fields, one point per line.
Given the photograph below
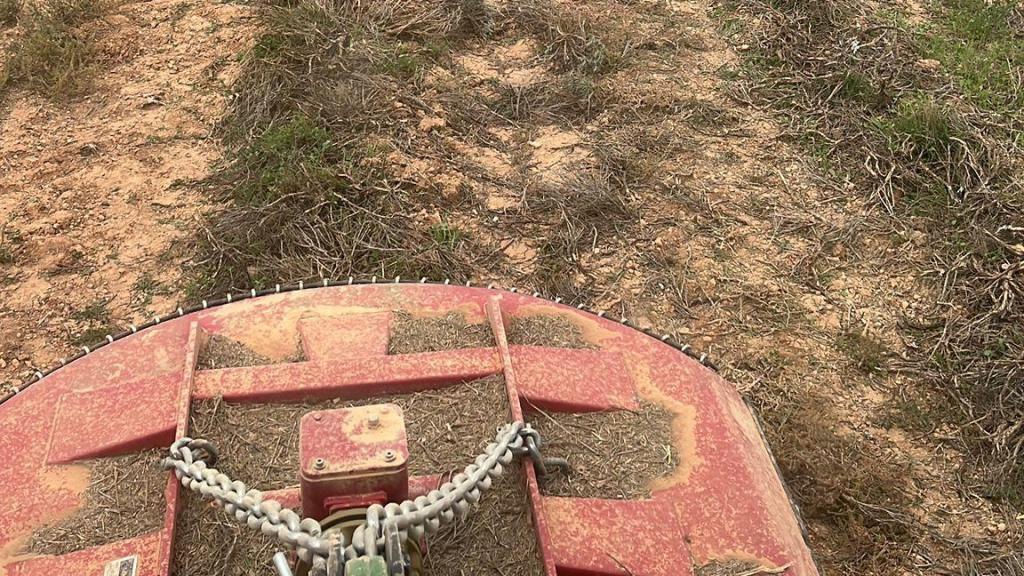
x=795 y=289
x=91 y=194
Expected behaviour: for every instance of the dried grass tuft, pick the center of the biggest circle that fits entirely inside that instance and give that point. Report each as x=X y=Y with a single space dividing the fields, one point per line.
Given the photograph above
x=125 y=498
x=410 y=334
x=10 y=11
x=570 y=39
x=554 y=331
x=52 y=54
x=588 y=208
x=613 y=454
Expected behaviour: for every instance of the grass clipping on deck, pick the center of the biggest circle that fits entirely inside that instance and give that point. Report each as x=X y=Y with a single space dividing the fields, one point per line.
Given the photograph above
x=410 y=334
x=125 y=498
x=548 y=330
x=613 y=454
x=223 y=352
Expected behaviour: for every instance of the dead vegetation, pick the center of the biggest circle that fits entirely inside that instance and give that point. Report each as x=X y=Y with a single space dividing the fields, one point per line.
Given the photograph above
x=735 y=568
x=410 y=334
x=548 y=330
x=125 y=498
x=208 y=542
x=497 y=539
x=223 y=352
x=569 y=99
x=867 y=501
x=613 y=454
x=568 y=39
x=10 y=10
x=54 y=52
x=900 y=109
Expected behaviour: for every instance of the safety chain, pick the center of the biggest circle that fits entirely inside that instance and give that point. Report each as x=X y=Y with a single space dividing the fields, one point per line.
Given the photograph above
x=453 y=499
x=244 y=504
x=411 y=519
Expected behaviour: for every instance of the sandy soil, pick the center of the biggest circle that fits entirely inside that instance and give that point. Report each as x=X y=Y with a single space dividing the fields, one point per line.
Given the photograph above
x=95 y=195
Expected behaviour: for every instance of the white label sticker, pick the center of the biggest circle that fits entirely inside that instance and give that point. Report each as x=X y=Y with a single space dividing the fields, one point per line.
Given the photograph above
x=126 y=566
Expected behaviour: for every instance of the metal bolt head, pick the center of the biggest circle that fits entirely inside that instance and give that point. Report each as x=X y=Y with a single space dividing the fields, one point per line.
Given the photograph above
x=319 y=464
x=318 y=417
x=374 y=421
x=389 y=455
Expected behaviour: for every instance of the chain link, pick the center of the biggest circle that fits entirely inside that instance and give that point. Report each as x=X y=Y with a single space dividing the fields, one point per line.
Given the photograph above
x=451 y=501
x=192 y=461
x=246 y=505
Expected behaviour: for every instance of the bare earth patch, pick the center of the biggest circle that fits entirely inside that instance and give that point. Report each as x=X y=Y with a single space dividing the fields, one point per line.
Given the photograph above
x=95 y=194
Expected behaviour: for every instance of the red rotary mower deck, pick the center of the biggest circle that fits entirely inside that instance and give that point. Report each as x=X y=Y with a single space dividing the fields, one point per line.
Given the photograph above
x=725 y=500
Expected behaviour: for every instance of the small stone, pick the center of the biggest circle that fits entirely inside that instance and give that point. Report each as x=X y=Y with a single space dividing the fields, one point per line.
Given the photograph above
x=430 y=122
x=168 y=200
x=929 y=64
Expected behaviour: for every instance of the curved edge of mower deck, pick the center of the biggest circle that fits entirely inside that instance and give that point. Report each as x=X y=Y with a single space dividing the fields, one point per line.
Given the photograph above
x=725 y=500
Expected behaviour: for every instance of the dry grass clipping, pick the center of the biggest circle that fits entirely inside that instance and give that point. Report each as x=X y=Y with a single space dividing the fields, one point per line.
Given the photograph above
x=223 y=352
x=260 y=442
x=939 y=154
x=613 y=454
x=125 y=498
x=496 y=540
x=10 y=10
x=735 y=568
x=410 y=335
x=210 y=543
x=553 y=331
x=53 y=54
